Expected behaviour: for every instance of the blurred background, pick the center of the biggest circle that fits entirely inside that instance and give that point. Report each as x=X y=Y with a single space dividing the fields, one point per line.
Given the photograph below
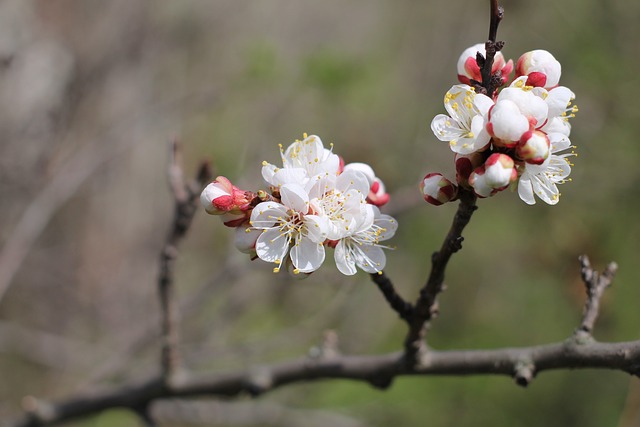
x=91 y=93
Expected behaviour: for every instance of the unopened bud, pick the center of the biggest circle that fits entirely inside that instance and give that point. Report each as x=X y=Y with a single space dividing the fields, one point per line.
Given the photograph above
x=542 y=69
x=495 y=175
x=506 y=123
x=533 y=147
x=465 y=164
x=221 y=197
x=436 y=189
x=468 y=68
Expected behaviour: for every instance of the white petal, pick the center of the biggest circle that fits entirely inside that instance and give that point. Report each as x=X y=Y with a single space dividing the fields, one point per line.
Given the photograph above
x=294 y=197
x=268 y=173
x=559 y=168
x=363 y=168
x=284 y=176
x=529 y=104
x=245 y=239
x=445 y=128
x=507 y=122
x=354 y=199
x=370 y=258
x=344 y=259
x=545 y=189
x=483 y=103
x=353 y=179
x=317 y=228
x=557 y=125
x=389 y=225
x=307 y=256
x=558 y=141
x=558 y=100
x=272 y=246
x=525 y=190
x=265 y=214
x=330 y=164
x=318 y=185
x=367 y=216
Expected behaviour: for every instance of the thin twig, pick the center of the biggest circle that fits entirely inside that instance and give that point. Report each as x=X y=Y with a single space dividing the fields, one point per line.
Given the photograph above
x=595 y=284
x=492 y=46
x=186 y=204
x=399 y=305
x=426 y=305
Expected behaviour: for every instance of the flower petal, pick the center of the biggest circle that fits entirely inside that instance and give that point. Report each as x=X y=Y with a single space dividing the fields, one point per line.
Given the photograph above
x=353 y=180
x=294 y=197
x=272 y=245
x=265 y=214
x=307 y=256
x=344 y=260
x=317 y=228
x=525 y=190
x=370 y=258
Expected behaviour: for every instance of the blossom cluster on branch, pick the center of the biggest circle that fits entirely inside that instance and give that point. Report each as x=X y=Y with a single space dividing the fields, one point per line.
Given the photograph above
x=517 y=136
x=314 y=201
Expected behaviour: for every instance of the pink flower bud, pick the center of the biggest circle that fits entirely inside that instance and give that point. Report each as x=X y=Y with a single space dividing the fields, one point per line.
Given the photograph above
x=436 y=189
x=495 y=175
x=465 y=164
x=378 y=196
x=541 y=68
x=534 y=147
x=221 y=197
x=468 y=68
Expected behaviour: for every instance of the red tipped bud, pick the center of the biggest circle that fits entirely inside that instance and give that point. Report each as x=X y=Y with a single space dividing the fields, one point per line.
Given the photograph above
x=468 y=68
x=221 y=197
x=541 y=68
x=436 y=189
x=533 y=147
x=465 y=164
x=497 y=173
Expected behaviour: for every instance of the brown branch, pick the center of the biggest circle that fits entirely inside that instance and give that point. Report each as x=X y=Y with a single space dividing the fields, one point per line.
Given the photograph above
x=397 y=303
x=377 y=370
x=426 y=306
x=186 y=204
x=492 y=46
x=595 y=284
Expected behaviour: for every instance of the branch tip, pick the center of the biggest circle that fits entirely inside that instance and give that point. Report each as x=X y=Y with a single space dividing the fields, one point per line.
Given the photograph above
x=595 y=284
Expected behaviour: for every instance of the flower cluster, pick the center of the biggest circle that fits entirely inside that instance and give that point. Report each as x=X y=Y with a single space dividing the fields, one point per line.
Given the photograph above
x=314 y=201
x=517 y=136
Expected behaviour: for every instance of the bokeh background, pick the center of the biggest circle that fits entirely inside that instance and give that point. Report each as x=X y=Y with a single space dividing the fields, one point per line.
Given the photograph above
x=91 y=93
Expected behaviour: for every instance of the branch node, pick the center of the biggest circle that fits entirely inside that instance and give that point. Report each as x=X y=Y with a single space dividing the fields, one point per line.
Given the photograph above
x=37 y=409
x=595 y=284
x=328 y=349
x=524 y=373
x=258 y=381
x=144 y=412
x=404 y=309
x=381 y=382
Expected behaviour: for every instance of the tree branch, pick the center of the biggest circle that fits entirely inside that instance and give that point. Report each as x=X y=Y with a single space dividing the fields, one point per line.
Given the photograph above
x=426 y=306
x=595 y=284
x=397 y=303
x=492 y=46
x=376 y=370
x=186 y=204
